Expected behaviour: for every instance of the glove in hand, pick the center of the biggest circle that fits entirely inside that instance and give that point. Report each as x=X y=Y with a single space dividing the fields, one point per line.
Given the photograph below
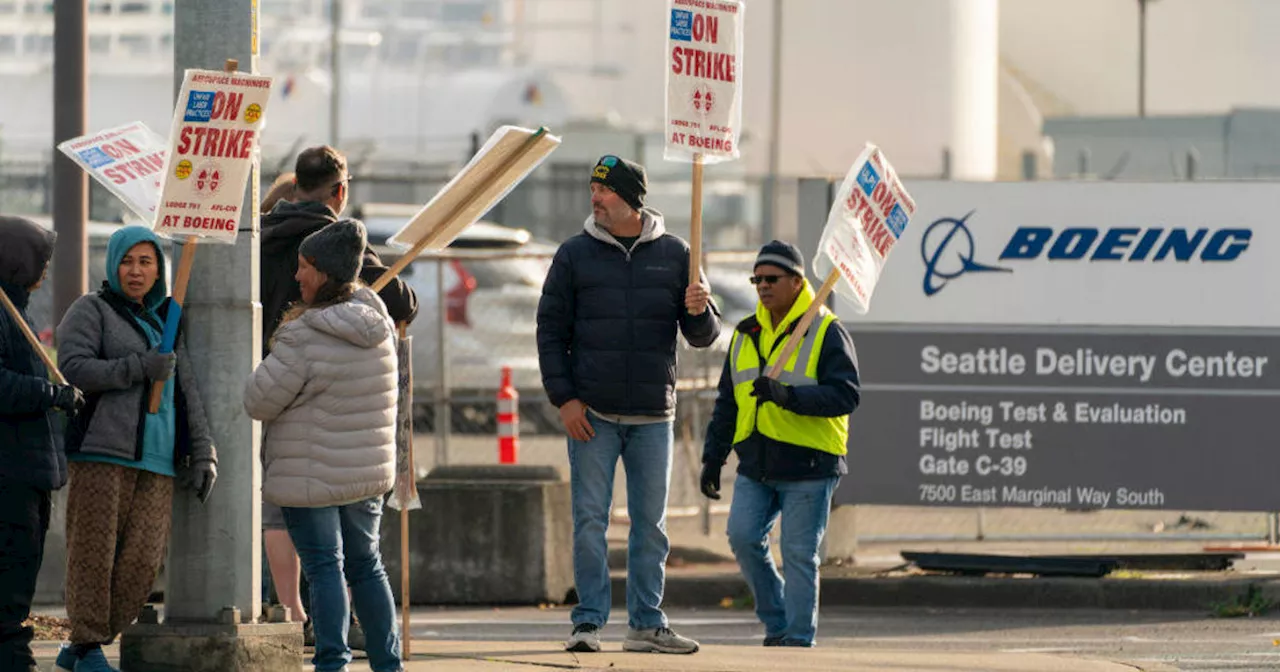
x=710 y=479
x=69 y=399
x=200 y=478
x=158 y=366
x=768 y=389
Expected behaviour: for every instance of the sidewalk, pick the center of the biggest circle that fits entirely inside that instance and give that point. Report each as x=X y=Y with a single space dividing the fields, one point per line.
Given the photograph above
x=451 y=656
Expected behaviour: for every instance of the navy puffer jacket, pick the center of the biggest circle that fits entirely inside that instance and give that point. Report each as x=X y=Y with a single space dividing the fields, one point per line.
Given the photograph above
x=608 y=316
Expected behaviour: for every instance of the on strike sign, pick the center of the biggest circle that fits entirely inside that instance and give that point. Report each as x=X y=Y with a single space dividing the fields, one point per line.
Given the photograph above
x=870 y=213
x=128 y=160
x=704 y=79
x=212 y=147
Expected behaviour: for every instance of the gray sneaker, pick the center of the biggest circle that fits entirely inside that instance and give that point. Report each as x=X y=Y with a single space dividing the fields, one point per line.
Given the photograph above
x=585 y=639
x=658 y=640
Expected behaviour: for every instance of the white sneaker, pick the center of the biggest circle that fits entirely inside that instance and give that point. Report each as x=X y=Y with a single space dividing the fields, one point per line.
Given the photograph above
x=658 y=640
x=585 y=639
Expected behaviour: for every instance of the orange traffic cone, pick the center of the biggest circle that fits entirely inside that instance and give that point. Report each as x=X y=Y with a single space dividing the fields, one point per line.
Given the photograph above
x=508 y=419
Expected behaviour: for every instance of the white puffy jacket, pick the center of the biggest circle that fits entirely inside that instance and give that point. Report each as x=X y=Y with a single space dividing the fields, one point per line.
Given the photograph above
x=327 y=393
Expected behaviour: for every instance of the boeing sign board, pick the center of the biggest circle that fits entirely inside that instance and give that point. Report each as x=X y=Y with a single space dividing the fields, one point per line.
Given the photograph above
x=1073 y=345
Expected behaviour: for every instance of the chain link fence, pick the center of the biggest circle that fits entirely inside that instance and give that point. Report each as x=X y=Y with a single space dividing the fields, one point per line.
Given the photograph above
x=480 y=298
x=482 y=305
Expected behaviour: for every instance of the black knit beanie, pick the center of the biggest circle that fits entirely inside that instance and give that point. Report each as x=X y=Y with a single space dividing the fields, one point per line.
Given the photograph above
x=625 y=178
x=337 y=250
x=783 y=255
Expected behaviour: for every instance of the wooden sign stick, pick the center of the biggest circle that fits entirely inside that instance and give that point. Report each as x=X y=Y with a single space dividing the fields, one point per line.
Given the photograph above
x=179 y=295
x=31 y=338
x=431 y=236
x=406 y=640
x=794 y=339
x=695 y=224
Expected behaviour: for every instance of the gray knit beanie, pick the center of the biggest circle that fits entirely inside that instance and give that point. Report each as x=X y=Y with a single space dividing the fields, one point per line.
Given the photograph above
x=337 y=250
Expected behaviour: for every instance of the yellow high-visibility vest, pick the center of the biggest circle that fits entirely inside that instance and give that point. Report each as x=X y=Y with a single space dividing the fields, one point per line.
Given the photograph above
x=829 y=435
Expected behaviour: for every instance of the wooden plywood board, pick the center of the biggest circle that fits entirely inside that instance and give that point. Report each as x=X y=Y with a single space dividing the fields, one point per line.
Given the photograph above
x=505 y=160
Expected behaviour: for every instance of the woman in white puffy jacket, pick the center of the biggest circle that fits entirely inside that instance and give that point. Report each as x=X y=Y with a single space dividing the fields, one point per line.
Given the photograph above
x=327 y=393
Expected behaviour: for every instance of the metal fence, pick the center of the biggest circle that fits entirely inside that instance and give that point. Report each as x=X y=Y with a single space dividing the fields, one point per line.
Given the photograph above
x=493 y=324
x=481 y=306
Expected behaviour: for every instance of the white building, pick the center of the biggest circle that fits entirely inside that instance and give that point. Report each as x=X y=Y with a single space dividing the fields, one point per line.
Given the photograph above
x=919 y=77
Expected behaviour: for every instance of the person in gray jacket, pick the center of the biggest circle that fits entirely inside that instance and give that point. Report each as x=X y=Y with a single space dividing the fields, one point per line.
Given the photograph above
x=123 y=460
x=327 y=394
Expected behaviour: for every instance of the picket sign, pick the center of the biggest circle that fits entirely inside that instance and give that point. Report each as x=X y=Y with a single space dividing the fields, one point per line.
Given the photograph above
x=213 y=146
x=503 y=162
x=405 y=494
x=703 y=95
x=127 y=160
x=870 y=212
x=509 y=155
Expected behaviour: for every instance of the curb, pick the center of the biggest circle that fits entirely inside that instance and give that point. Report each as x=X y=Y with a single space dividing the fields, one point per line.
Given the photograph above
x=708 y=591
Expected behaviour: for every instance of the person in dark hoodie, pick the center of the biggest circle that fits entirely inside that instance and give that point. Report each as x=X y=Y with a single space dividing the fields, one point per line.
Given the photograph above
x=320 y=194
x=31 y=465
x=124 y=460
x=321 y=189
x=611 y=305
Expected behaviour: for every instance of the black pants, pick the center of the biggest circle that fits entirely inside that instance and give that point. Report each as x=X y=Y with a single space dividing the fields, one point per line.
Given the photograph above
x=24 y=520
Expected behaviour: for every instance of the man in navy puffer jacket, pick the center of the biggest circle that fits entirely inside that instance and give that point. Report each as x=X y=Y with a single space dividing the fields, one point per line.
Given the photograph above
x=612 y=303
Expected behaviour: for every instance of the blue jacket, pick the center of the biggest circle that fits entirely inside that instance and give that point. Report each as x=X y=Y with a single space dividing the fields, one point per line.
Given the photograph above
x=608 y=316
x=28 y=454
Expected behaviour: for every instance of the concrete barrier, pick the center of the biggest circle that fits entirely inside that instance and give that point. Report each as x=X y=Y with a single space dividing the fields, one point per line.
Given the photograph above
x=486 y=534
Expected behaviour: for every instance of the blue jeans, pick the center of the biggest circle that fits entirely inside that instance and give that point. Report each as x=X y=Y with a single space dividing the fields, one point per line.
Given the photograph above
x=337 y=540
x=646 y=457
x=788 y=609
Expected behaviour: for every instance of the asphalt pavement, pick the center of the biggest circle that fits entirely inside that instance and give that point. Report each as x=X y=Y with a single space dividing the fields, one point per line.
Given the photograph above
x=934 y=640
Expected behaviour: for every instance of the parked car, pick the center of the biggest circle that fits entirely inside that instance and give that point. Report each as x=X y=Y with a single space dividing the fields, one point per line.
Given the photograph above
x=493 y=279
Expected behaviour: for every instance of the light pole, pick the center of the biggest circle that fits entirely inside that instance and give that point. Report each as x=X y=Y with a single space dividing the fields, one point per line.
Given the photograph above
x=335 y=66
x=70 y=183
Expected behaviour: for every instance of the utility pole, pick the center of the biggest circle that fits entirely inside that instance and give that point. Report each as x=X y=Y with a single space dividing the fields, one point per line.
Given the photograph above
x=335 y=71
x=213 y=592
x=775 y=125
x=70 y=183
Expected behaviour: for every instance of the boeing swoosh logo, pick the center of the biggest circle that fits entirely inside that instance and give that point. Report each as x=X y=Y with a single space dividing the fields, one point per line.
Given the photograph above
x=949 y=235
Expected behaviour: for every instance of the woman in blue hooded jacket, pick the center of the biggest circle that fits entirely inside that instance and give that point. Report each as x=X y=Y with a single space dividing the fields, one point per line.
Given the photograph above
x=123 y=460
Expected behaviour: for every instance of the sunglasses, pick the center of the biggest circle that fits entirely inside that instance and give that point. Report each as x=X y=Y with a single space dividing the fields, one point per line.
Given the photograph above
x=346 y=181
x=766 y=279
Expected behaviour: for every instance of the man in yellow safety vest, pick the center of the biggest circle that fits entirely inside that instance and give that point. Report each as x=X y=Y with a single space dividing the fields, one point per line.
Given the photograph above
x=790 y=435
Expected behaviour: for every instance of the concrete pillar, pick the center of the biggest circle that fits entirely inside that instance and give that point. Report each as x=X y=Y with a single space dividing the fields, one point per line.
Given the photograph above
x=213 y=592
x=216 y=547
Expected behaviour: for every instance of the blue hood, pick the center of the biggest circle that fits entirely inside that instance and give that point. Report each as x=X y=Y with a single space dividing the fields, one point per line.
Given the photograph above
x=121 y=242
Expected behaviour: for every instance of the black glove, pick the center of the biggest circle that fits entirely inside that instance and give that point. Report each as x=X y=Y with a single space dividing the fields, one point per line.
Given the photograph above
x=710 y=479
x=200 y=477
x=158 y=366
x=69 y=399
x=768 y=389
